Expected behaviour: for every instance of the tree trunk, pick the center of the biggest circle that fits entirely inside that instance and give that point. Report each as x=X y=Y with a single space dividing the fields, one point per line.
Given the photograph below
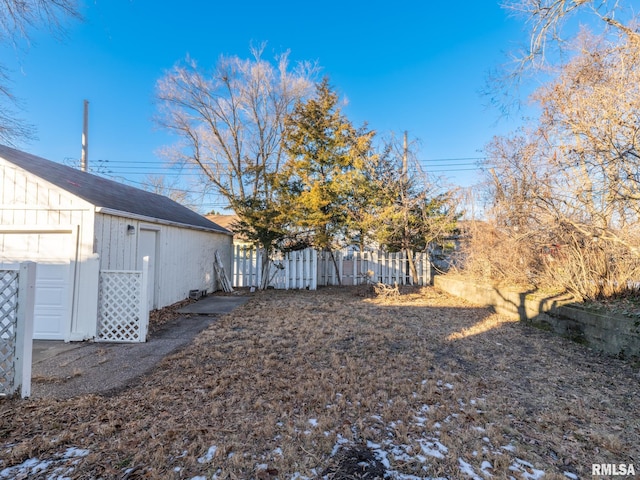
x=335 y=265
x=265 y=269
x=412 y=266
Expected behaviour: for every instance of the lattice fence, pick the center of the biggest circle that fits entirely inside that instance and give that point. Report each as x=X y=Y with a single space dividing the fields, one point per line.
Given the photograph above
x=123 y=314
x=8 y=328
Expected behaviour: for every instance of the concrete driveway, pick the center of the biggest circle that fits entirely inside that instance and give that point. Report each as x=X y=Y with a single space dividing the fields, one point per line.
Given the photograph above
x=64 y=370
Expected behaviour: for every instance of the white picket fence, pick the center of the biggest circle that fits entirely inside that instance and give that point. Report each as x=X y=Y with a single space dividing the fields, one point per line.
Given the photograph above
x=309 y=269
x=17 y=294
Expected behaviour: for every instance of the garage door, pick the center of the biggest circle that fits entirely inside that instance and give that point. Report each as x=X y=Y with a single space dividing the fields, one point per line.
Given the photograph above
x=51 y=251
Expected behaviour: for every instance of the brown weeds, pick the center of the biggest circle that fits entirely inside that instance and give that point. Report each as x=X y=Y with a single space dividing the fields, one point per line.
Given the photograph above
x=288 y=381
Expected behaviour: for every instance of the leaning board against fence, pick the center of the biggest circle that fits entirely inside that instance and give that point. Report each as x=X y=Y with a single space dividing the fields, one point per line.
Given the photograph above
x=123 y=313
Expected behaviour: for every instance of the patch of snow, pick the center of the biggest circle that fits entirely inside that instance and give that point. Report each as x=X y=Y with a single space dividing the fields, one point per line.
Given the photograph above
x=277 y=451
x=570 y=475
x=339 y=442
x=209 y=455
x=34 y=466
x=380 y=454
x=313 y=422
x=420 y=420
x=433 y=448
x=527 y=470
x=485 y=467
x=73 y=452
x=509 y=448
x=448 y=419
x=468 y=470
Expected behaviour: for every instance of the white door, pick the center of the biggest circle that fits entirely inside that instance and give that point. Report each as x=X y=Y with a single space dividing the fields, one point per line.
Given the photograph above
x=54 y=285
x=147 y=248
x=51 y=310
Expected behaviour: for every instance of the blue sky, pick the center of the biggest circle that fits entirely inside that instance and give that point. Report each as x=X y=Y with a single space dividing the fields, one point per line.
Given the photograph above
x=408 y=65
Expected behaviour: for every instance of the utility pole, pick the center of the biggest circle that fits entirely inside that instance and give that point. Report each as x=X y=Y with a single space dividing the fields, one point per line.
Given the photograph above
x=407 y=247
x=405 y=159
x=85 y=138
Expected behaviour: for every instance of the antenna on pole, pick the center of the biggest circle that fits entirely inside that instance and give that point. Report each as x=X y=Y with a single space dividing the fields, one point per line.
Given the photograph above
x=85 y=138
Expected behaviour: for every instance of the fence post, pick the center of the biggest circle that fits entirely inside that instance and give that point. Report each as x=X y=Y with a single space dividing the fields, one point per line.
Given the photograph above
x=314 y=270
x=24 y=328
x=236 y=265
x=144 y=301
x=305 y=268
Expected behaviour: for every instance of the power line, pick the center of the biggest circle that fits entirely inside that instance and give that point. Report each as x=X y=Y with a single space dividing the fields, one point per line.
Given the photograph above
x=456 y=159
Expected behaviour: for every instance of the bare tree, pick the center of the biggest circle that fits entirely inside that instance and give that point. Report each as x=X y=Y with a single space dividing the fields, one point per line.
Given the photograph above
x=17 y=19
x=409 y=210
x=168 y=188
x=591 y=117
x=230 y=123
x=548 y=21
x=567 y=196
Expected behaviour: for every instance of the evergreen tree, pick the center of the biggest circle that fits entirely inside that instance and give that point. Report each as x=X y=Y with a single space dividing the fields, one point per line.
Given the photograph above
x=324 y=171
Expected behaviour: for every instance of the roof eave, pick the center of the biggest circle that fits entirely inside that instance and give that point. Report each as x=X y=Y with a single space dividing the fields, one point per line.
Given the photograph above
x=143 y=218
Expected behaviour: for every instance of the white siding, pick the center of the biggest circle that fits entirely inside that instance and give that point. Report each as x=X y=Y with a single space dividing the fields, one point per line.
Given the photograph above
x=117 y=249
x=184 y=260
x=30 y=205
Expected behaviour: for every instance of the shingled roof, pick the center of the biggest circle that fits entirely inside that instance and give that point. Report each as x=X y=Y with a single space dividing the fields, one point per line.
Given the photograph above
x=108 y=194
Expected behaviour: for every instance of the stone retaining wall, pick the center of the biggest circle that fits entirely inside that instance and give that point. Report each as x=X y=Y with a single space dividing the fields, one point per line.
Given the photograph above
x=609 y=333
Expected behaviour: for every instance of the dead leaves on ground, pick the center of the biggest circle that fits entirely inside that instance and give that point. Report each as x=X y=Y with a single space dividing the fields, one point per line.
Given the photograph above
x=277 y=384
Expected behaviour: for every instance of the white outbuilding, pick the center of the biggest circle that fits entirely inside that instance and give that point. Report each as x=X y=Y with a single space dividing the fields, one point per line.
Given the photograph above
x=74 y=224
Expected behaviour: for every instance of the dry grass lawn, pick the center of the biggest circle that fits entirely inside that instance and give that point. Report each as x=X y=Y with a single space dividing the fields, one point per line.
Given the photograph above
x=294 y=383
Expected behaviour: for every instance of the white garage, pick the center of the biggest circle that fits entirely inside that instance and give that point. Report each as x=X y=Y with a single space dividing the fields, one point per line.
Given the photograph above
x=74 y=224
x=52 y=250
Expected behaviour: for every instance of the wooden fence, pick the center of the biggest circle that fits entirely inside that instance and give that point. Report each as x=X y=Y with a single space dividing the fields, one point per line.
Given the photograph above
x=293 y=270
x=308 y=268
x=357 y=268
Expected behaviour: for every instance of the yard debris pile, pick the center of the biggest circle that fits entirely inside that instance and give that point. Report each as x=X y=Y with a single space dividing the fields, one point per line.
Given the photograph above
x=311 y=385
x=355 y=462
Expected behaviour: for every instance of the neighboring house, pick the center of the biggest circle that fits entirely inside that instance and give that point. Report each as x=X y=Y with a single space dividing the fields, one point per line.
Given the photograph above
x=73 y=223
x=228 y=221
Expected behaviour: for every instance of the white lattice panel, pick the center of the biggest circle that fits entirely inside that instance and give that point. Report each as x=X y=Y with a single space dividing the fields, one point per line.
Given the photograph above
x=8 y=328
x=120 y=309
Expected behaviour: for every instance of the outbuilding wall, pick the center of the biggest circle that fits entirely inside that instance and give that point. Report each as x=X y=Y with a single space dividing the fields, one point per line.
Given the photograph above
x=184 y=257
x=43 y=223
